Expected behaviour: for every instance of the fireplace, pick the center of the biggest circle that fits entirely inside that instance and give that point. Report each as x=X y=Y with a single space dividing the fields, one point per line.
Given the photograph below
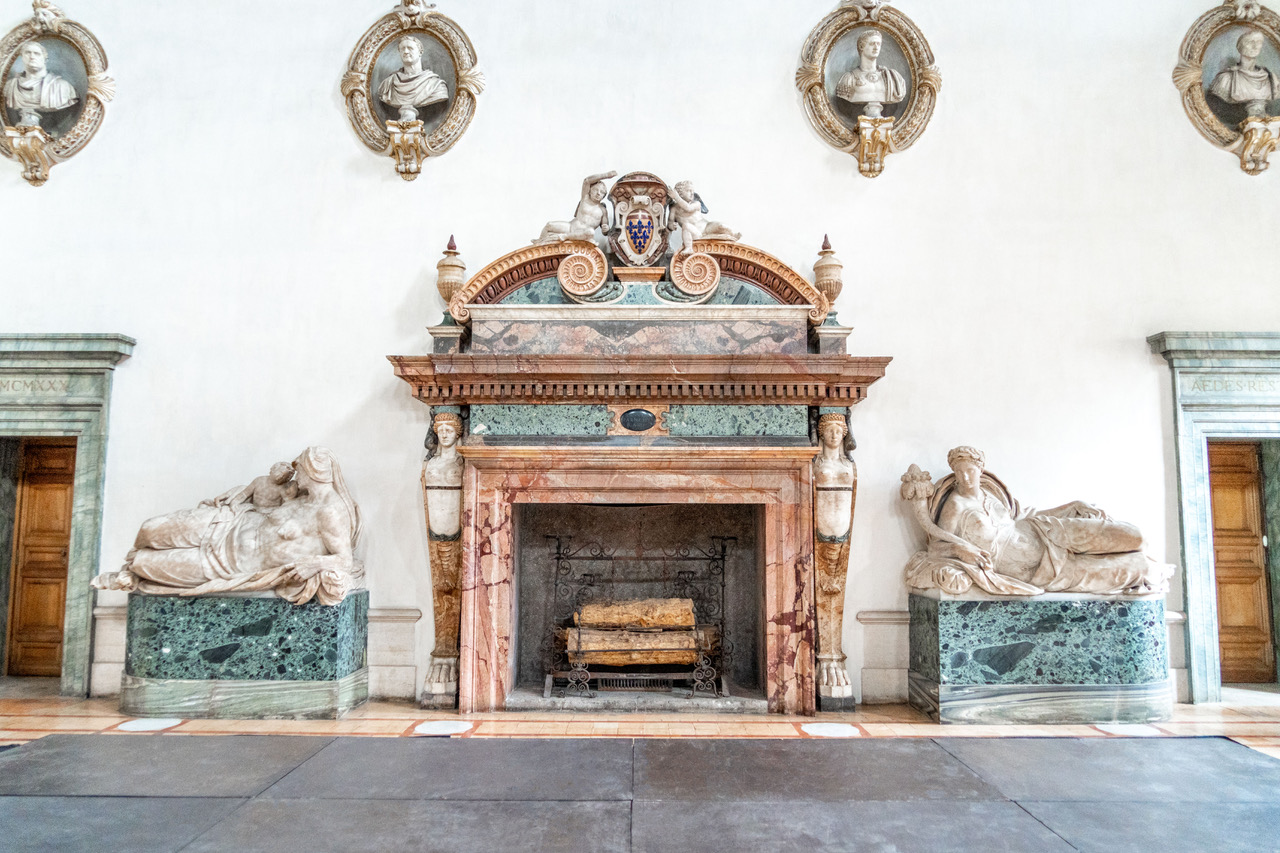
x=665 y=599
x=638 y=427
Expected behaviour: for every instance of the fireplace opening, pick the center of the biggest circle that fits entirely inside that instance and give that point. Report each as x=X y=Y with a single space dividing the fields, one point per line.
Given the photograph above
x=647 y=606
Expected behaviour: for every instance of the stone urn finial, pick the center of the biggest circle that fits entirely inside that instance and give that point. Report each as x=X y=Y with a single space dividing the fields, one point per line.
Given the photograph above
x=827 y=272
x=452 y=272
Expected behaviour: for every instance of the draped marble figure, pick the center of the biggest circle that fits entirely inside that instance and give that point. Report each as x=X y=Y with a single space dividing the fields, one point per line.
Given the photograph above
x=302 y=547
x=1247 y=82
x=978 y=535
x=412 y=86
x=36 y=91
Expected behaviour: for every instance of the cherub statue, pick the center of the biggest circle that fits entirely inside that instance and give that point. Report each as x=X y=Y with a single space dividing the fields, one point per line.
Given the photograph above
x=269 y=490
x=689 y=212
x=590 y=215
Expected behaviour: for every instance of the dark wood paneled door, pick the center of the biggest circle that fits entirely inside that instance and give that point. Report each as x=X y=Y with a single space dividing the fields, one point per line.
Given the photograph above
x=41 y=542
x=1240 y=564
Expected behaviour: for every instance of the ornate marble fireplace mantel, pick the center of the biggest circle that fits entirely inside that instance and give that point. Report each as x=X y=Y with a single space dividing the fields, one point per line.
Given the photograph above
x=563 y=375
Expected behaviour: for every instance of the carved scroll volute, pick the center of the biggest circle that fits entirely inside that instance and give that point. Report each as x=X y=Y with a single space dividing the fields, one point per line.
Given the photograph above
x=66 y=117
x=1251 y=133
x=835 y=480
x=442 y=500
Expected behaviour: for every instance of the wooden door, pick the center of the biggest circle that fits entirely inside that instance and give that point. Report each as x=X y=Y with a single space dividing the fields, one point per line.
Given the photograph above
x=1240 y=564
x=41 y=542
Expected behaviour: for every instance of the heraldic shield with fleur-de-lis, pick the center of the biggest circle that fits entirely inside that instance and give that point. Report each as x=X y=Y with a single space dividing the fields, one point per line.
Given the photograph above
x=639 y=229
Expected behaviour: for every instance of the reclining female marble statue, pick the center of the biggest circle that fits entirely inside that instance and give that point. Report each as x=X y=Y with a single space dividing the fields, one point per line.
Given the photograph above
x=978 y=535
x=302 y=548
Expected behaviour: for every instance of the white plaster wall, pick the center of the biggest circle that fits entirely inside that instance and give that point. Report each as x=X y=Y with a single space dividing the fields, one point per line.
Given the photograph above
x=1059 y=209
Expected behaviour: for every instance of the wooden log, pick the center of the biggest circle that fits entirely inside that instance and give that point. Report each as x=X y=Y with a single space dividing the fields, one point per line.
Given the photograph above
x=632 y=648
x=640 y=613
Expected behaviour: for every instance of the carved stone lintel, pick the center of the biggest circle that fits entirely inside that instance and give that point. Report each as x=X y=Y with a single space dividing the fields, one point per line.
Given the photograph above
x=874 y=143
x=1260 y=135
x=28 y=145
x=408 y=147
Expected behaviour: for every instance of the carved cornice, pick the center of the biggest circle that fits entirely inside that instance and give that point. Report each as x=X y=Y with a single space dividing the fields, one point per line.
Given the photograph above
x=814 y=380
x=512 y=272
x=748 y=263
x=533 y=263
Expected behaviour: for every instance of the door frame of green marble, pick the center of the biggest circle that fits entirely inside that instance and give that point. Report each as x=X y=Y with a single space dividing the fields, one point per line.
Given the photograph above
x=60 y=385
x=1226 y=385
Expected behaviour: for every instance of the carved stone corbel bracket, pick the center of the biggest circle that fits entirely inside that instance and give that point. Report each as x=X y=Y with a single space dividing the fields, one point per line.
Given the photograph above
x=1254 y=137
x=582 y=272
x=695 y=274
x=57 y=138
x=411 y=142
x=869 y=138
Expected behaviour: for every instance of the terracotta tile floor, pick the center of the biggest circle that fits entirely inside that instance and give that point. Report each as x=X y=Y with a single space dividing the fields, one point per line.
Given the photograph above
x=27 y=719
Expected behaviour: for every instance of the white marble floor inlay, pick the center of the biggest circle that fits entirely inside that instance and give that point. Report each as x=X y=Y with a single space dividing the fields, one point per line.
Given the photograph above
x=830 y=730
x=147 y=724
x=1131 y=730
x=442 y=727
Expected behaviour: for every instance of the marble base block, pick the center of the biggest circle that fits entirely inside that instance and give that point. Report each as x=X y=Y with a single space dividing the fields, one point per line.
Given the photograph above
x=836 y=703
x=1062 y=660
x=245 y=658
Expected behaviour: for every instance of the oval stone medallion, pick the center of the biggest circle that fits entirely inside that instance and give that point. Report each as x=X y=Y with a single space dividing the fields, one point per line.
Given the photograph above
x=638 y=420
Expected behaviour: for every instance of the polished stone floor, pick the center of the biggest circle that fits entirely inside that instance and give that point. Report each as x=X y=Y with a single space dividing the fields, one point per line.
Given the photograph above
x=68 y=792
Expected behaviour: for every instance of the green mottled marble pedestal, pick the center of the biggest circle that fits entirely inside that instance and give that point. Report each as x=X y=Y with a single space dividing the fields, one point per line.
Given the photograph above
x=1063 y=660
x=245 y=658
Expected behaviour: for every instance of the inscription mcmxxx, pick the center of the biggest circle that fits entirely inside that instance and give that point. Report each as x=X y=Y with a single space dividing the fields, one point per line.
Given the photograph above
x=26 y=385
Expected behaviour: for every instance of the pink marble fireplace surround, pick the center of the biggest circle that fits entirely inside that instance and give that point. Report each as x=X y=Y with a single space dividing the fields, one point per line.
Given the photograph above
x=496 y=478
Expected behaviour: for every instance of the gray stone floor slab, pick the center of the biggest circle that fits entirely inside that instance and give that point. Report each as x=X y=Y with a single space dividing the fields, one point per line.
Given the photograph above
x=464 y=769
x=106 y=824
x=341 y=826
x=149 y=766
x=1121 y=770
x=1163 y=827
x=787 y=827
x=818 y=770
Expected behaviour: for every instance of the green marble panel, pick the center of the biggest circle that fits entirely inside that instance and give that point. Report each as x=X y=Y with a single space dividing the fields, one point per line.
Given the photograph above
x=732 y=421
x=731 y=291
x=591 y=420
x=245 y=639
x=243 y=700
x=1040 y=642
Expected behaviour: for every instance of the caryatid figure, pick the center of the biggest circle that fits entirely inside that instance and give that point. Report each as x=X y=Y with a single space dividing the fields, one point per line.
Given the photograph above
x=442 y=490
x=835 y=480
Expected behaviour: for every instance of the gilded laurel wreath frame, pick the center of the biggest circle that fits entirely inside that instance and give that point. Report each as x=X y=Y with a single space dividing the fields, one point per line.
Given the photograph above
x=1188 y=76
x=926 y=81
x=412 y=17
x=35 y=149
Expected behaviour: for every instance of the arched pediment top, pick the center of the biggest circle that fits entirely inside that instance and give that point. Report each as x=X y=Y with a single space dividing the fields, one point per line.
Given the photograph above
x=503 y=277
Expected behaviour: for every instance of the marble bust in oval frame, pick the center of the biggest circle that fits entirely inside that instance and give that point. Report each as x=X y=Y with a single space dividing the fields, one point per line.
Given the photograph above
x=834 y=55
x=1230 y=87
x=52 y=114
x=411 y=85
